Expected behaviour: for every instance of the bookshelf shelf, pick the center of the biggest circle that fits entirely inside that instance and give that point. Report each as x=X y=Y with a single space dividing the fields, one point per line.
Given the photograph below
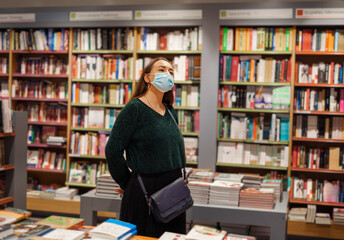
x=6 y=167
x=167 y=52
x=4 y=51
x=186 y=108
x=190 y=134
x=102 y=51
x=40 y=51
x=253 y=141
x=254 y=83
x=301 y=201
x=6 y=200
x=40 y=75
x=320 y=85
x=3 y=135
x=319 y=53
x=318 y=112
x=4 y=97
x=97 y=105
x=91 y=129
x=40 y=99
x=33 y=169
x=47 y=123
x=86 y=156
x=4 y=74
x=81 y=185
x=252 y=110
x=191 y=163
x=186 y=82
x=320 y=170
x=258 y=52
x=251 y=166
x=41 y=145
x=318 y=140
x=102 y=80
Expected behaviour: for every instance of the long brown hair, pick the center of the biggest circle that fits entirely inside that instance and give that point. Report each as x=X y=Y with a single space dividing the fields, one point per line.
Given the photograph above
x=142 y=86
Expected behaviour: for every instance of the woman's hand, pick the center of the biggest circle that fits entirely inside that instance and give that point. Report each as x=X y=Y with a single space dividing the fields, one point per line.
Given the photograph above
x=119 y=190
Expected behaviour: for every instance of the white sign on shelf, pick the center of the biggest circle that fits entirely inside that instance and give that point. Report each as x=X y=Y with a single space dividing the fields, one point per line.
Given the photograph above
x=101 y=16
x=276 y=13
x=168 y=14
x=15 y=17
x=319 y=13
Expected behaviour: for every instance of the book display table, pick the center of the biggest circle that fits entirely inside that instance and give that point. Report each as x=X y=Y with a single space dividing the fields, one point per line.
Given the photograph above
x=275 y=218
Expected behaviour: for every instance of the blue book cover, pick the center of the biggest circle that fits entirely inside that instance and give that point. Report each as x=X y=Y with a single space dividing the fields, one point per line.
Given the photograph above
x=341 y=75
x=121 y=223
x=336 y=40
x=284 y=135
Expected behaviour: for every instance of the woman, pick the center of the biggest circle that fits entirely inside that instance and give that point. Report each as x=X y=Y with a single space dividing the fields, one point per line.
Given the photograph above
x=153 y=145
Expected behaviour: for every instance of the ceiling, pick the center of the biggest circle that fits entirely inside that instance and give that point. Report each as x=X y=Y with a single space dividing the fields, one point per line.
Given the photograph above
x=85 y=3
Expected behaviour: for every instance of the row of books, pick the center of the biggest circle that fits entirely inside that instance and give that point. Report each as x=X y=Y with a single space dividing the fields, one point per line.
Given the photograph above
x=256 y=39
x=186 y=95
x=319 y=127
x=44 y=112
x=92 y=93
x=97 y=66
x=40 y=89
x=40 y=134
x=331 y=158
x=5 y=39
x=252 y=154
x=4 y=65
x=331 y=73
x=42 y=65
x=254 y=68
x=319 y=39
x=254 y=97
x=263 y=127
x=86 y=172
x=103 y=39
x=94 y=117
x=41 y=39
x=2 y=153
x=188 y=121
x=329 y=99
x=46 y=159
x=318 y=190
x=164 y=39
x=89 y=143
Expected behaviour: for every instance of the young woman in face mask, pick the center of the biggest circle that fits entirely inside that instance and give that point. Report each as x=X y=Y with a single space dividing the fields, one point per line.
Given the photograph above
x=153 y=145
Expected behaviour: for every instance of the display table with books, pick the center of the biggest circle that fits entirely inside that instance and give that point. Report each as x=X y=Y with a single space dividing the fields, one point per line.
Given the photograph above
x=275 y=218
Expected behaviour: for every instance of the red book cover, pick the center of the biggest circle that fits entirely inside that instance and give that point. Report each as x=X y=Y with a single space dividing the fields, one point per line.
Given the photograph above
x=331 y=72
x=289 y=71
x=282 y=80
x=187 y=68
x=294 y=161
x=126 y=94
x=306 y=39
x=219 y=98
x=307 y=97
x=296 y=72
x=225 y=97
x=235 y=63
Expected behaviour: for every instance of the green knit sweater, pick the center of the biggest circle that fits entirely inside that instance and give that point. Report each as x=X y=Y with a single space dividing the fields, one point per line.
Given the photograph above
x=152 y=142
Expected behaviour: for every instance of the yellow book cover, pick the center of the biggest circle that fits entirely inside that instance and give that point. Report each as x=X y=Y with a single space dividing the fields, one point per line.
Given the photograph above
x=9 y=217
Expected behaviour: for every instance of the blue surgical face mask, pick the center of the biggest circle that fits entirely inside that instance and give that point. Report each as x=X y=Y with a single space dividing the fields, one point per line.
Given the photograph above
x=163 y=81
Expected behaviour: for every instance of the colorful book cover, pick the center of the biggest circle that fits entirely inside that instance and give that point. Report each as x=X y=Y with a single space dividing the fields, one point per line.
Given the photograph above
x=61 y=222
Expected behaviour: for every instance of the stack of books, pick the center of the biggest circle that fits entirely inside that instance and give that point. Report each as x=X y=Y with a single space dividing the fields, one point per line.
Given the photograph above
x=202 y=175
x=199 y=232
x=311 y=211
x=113 y=229
x=257 y=198
x=297 y=214
x=199 y=191
x=231 y=177
x=56 y=140
x=323 y=218
x=276 y=184
x=65 y=193
x=252 y=181
x=224 y=193
x=338 y=216
x=106 y=186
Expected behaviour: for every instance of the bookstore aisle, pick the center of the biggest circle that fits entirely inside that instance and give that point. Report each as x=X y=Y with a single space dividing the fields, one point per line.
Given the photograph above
x=258 y=90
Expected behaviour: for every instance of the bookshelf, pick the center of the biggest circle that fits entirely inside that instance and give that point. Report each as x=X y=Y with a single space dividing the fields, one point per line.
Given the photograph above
x=252 y=64
x=39 y=85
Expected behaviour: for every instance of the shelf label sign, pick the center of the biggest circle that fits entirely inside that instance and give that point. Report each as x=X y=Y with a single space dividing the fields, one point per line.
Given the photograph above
x=14 y=17
x=276 y=13
x=319 y=13
x=168 y=14
x=101 y=16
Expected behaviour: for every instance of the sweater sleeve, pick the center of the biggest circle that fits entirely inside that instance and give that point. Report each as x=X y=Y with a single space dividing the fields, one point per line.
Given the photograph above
x=118 y=141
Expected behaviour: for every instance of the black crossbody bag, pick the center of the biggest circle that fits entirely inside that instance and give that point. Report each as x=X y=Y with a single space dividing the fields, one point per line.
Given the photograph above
x=170 y=201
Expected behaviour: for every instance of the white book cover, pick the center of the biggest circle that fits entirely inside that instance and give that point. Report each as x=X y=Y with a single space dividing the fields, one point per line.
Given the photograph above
x=172 y=236
x=229 y=152
x=65 y=234
x=96 y=117
x=205 y=233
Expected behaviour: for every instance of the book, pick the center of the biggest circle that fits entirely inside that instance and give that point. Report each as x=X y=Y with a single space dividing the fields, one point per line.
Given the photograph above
x=113 y=229
x=27 y=230
x=48 y=131
x=172 y=236
x=191 y=149
x=61 y=222
x=9 y=217
x=64 y=234
x=5 y=231
x=199 y=232
x=20 y=211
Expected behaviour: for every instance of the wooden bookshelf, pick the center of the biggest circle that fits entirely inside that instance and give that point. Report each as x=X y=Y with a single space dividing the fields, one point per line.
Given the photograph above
x=250 y=166
x=319 y=85
x=253 y=141
x=332 y=231
x=319 y=53
x=4 y=74
x=102 y=51
x=161 y=52
x=3 y=135
x=320 y=170
x=40 y=99
x=33 y=169
x=41 y=51
x=186 y=108
x=186 y=82
x=6 y=167
x=322 y=140
x=6 y=200
x=318 y=112
x=301 y=201
x=48 y=123
x=102 y=80
x=273 y=84
x=190 y=134
x=97 y=105
x=90 y=129
x=258 y=52
x=53 y=205
x=42 y=145
x=252 y=110
x=86 y=156
x=81 y=185
x=40 y=75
